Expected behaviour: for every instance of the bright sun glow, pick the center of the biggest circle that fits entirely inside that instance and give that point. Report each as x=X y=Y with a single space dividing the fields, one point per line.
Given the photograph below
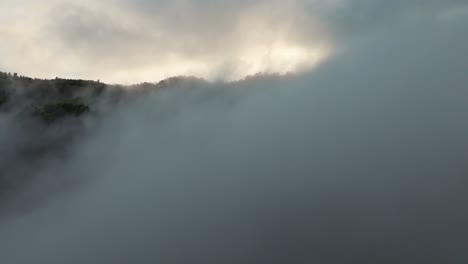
x=281 y=58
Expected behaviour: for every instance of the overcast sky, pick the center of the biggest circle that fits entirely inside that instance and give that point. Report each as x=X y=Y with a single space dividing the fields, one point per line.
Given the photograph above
x=130 y=41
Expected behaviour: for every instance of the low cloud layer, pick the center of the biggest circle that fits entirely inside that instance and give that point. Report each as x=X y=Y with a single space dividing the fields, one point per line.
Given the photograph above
x=362 y=160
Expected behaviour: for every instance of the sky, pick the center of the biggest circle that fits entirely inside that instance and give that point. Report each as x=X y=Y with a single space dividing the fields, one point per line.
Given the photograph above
x=361 y=158
x=131 y=41
x=127 y=41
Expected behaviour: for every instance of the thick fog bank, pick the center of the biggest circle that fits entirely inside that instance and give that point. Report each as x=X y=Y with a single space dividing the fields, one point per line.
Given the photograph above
x=361 y=161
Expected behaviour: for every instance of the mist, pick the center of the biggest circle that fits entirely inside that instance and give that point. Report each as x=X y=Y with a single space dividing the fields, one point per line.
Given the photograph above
x=362 y=159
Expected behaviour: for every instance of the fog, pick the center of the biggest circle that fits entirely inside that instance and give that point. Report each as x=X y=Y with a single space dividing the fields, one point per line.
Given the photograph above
x=361 y=160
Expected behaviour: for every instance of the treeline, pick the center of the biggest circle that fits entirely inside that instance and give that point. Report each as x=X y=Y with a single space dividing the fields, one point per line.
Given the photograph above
x=54 y=99
x=49 y=100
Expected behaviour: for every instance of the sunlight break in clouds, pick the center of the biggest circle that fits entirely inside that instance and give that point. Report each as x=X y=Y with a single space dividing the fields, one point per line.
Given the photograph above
x=133 y=41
